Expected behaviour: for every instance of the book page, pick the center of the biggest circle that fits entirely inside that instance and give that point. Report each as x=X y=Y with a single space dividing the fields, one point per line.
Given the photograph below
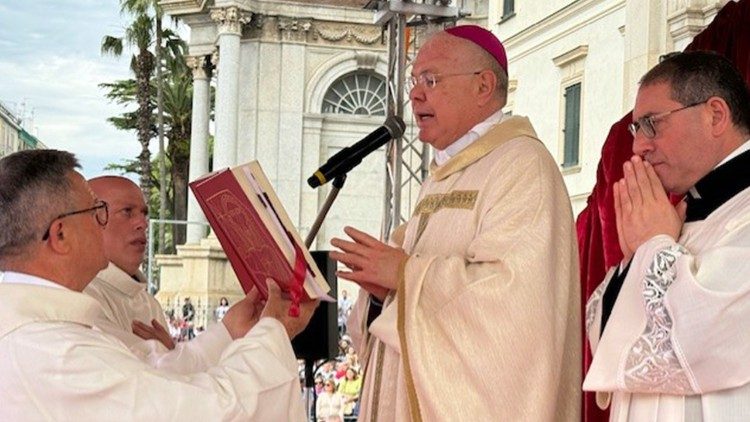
x=281 y=226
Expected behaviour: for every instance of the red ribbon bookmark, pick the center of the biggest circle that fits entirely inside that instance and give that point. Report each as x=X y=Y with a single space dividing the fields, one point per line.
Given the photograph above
x=297 y=281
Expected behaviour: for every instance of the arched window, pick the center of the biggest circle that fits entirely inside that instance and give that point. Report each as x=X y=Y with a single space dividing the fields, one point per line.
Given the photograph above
x=361 y=93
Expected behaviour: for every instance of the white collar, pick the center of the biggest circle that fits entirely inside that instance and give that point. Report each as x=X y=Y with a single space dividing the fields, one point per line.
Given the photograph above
x=739 y=150
x=122 y=281
x=441 y=156
x=22 y=278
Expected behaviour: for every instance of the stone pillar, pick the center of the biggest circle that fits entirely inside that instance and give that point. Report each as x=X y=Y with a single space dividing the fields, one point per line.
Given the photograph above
x=645 y=41
x=229 y=21
x=201 y=67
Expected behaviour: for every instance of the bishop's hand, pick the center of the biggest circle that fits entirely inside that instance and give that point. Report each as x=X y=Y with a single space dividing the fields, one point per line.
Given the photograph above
x=372 y=264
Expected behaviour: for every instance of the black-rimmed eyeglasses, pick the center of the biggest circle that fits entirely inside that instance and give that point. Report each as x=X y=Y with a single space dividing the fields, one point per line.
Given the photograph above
x=101 y=213
x=647 y=124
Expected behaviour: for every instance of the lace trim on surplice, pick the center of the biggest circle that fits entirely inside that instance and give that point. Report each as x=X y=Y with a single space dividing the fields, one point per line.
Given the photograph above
x=652 y=363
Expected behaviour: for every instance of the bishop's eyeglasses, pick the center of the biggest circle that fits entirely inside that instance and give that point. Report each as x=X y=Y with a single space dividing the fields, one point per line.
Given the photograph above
x=101 y=213
x=429 y=80
x=647 y=124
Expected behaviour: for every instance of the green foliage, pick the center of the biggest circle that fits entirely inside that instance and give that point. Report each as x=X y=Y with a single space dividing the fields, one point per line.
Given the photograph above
x=140 y=93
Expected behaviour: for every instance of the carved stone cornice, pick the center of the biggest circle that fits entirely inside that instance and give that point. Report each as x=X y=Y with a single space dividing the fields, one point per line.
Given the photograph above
x=311 y=31
x=230 y=19
x=348 y=33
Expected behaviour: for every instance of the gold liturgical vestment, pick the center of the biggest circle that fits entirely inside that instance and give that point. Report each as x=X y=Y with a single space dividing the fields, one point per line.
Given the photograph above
x=485 y=323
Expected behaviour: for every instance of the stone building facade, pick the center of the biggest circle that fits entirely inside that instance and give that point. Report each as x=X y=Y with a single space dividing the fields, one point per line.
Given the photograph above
x=297 y=81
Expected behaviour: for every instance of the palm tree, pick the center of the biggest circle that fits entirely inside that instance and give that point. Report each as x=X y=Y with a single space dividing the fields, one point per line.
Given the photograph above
x=138 y=7
x=139 y=35
x=177 y=118
x=178 y=107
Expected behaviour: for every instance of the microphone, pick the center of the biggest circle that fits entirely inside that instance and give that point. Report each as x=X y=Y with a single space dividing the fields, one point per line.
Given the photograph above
x=350 y=157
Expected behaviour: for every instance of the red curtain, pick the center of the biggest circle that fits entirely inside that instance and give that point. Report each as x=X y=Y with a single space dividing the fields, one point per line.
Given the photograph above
x=729 y=35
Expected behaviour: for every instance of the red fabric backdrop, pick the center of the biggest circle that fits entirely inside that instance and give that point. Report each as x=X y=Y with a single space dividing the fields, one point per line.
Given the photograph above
x=729 y=35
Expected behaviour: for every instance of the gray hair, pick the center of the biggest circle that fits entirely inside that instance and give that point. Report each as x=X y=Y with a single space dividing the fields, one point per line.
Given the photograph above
x=34 y=189
x=699 y=75
x=502 y=80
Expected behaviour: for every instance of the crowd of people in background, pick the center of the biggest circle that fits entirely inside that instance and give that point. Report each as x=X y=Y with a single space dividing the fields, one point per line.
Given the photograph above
x=337 y=382
x=182 y=322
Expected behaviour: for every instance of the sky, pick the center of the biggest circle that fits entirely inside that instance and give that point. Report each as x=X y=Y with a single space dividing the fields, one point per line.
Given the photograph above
x=50 y=60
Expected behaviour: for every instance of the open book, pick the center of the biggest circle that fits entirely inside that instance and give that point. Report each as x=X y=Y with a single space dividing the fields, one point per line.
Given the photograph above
x=256 y=233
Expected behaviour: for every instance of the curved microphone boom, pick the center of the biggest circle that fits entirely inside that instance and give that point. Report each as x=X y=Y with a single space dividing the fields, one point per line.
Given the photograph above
x=348 y=158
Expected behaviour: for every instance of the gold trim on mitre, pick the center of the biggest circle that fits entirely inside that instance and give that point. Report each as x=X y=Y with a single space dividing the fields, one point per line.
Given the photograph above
x=510 y=128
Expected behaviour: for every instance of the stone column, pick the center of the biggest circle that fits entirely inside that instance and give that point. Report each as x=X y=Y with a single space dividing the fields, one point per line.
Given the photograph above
x=229 y=21
x=201 y=67
x=645 y=41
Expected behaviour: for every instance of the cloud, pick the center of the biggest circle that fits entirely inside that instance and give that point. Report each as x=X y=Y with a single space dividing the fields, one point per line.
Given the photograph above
x=70 y=110
x=51 y=62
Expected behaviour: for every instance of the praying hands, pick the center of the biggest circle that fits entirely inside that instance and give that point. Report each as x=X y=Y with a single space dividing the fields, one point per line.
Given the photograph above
x=642 y=208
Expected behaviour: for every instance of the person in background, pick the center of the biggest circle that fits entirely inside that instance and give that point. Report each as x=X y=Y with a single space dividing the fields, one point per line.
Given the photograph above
x=329 y=402
x=222 y=309
x=318 y=385
x=349 y=388
x=188 y=315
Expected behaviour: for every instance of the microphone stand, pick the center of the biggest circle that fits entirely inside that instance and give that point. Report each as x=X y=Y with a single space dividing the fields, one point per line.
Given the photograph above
x=310 y=396
x=338 y=183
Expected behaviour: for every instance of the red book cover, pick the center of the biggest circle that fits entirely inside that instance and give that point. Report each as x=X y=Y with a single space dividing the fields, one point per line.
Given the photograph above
x=249 y=246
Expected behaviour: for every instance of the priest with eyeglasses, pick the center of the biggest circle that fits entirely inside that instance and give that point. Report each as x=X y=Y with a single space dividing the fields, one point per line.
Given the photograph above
x=669 y=326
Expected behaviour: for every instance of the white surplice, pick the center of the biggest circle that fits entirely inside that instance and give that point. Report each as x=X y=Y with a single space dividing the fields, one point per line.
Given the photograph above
x=485 y=324
x=677 y=345
x=56 y=364
x=124 y=299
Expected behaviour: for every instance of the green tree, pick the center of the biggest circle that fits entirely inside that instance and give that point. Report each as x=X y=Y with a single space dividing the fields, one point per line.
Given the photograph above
x=177 y=118
x=139 y=36
x=140 y=7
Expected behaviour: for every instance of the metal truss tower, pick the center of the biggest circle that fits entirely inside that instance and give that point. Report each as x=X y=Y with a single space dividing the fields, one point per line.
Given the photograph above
x=407 y=159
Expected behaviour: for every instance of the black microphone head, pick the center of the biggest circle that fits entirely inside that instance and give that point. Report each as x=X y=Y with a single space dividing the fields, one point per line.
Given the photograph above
x=314 y=181
x=395 y=126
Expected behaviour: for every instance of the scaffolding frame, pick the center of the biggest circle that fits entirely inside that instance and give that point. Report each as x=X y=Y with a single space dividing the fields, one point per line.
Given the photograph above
x=407 y=159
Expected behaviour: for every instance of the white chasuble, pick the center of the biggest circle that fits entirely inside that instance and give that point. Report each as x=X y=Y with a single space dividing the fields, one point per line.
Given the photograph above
x=677 y=343
x=485 y=323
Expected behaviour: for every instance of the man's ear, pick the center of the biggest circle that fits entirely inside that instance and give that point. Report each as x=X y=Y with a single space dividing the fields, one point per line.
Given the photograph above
x=59 y=237
x=487 y=85
x=721 y=116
